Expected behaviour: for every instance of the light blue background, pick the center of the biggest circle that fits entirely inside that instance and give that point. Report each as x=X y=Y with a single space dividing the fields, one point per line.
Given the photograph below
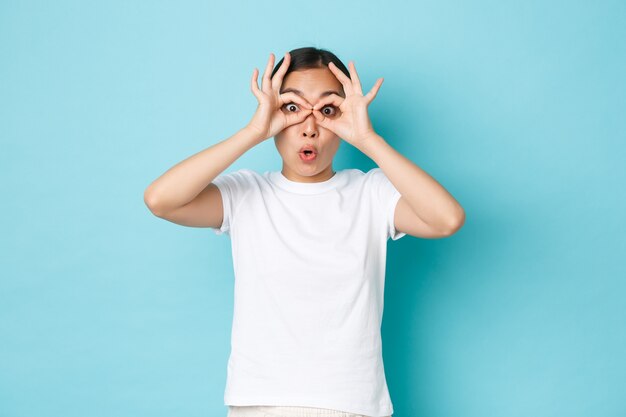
x=517 y=108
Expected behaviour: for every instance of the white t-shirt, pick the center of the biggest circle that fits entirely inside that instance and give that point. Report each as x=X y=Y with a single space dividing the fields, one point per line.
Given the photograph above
x=309 y=264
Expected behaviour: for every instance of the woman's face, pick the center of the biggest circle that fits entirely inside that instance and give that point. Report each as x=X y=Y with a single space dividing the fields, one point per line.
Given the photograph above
x=312 y=85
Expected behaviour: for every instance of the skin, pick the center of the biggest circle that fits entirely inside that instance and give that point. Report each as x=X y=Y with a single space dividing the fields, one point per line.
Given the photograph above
x=311 y=83
x=185 y=193
x=318 y=113
x=425 y=209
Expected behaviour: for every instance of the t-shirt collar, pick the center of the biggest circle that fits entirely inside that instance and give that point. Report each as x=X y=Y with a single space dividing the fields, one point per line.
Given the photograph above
x=283 y=182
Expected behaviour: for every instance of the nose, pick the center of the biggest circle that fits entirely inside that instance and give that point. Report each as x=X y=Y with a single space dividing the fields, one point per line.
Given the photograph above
x=309 y=129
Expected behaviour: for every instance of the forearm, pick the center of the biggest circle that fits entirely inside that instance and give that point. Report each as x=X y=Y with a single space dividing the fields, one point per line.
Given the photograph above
x=185 y=180
x=430 y=201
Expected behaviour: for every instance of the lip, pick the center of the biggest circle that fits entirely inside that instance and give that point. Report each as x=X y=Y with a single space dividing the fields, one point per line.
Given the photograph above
x=307 y=159
x=308 y=148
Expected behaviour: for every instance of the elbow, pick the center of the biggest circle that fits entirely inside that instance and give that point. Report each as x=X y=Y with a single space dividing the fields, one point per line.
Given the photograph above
x=151 y=202
x=455 y=224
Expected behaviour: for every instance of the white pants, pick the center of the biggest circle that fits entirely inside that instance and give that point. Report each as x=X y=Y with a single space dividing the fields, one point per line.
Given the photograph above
x=285 y=411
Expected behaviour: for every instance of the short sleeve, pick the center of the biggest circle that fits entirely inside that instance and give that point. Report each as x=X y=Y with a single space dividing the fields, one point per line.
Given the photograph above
x=233 y=187
x=388 y=197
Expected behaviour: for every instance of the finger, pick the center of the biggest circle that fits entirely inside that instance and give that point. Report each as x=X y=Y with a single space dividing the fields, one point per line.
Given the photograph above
x=333 y=99
x=343 y=78
x=324 y=121
x=266 y=84
x=277 y=81
x=355 y=78
x=370 y=96
x=254 y=83
x=293 y=118
x=293 y=97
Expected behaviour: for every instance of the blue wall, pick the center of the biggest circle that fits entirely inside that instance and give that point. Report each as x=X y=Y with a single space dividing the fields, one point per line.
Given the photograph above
x=517 y=108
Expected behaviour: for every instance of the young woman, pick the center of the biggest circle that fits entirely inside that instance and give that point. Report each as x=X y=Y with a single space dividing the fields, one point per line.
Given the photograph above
x=308 y=242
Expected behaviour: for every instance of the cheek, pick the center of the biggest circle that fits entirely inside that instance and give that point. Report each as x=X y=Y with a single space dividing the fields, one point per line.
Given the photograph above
x=278 y=141
x=333 y=144
x=283 y=136
x=281 y=142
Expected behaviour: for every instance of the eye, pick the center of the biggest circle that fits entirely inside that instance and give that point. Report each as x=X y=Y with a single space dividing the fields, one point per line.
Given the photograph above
x=290 y=107
x=329 y=110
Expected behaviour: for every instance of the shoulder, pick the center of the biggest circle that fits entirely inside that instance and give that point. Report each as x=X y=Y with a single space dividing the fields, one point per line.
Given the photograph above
x=374 y=173
x=377 y=177
x=355 y=177
x=353 y=173
x=237 y=182
x=369 y=178
x=240 y=175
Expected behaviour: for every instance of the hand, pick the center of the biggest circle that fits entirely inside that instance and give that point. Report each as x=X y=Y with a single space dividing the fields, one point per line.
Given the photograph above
x=268 y=119
x=353 y=123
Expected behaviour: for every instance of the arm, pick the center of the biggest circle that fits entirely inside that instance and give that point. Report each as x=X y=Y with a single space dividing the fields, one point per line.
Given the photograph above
x=185 y=180
x=185 y=193
x=425 y=209
x=429 y=203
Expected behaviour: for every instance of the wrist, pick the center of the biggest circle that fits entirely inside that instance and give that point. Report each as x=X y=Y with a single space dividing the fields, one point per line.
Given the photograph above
x=370 y=142
x=253 y=134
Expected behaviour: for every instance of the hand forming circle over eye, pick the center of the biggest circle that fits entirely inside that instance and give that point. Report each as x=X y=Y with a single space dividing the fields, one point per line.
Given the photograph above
x=269 y=119
x=353 y=124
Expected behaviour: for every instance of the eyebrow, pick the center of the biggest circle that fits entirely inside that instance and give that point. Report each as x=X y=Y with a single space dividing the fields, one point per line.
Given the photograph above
x=298 y=92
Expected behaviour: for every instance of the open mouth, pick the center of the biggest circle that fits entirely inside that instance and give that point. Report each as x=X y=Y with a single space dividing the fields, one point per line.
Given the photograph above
x=308 y=155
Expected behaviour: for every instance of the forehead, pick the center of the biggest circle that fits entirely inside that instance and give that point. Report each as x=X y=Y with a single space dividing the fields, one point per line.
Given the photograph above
x=312 y=82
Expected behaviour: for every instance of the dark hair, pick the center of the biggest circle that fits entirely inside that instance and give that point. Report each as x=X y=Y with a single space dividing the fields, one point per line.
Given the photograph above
x=310 y=57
